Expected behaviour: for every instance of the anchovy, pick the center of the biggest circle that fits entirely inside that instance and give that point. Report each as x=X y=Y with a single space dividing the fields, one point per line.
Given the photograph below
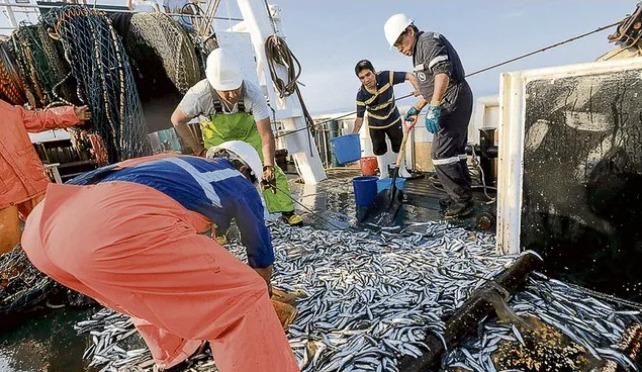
x=369 y=298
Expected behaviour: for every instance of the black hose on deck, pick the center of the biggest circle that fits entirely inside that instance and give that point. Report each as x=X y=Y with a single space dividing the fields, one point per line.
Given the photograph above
x=468 y=316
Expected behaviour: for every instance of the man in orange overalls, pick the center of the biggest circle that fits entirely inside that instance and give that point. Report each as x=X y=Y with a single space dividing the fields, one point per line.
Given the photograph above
x=129 y=235
x=22 y=177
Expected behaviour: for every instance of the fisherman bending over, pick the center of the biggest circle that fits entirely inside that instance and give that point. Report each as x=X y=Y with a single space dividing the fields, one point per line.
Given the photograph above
x=128 y=235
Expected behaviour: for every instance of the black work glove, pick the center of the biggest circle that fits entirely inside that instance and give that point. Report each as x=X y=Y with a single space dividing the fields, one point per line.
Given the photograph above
x=269 y=179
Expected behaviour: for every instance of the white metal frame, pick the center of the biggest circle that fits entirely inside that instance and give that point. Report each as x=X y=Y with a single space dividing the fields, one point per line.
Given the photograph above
x=511 y=140
x=299 y=142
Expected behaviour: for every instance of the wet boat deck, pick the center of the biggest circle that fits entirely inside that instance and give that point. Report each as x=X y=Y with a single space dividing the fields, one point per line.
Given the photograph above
x=331 y=203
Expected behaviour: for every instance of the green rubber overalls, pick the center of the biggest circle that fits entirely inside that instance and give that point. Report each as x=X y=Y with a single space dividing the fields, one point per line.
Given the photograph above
x=223 y=127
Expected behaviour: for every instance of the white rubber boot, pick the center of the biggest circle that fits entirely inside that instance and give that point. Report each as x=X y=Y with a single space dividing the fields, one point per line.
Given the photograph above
x=383 y=166
x=403 y=172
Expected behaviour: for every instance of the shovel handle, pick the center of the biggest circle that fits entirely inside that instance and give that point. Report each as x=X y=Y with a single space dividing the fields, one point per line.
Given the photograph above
x=402 y=148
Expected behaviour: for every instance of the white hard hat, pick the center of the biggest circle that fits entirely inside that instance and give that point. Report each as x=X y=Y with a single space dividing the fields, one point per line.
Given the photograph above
x=223 y=70
x=394 y=26
x=244 y=152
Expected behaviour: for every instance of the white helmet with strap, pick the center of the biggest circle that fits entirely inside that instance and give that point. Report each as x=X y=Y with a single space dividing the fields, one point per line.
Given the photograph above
x=242 y=151
x=223 y=71
x=395 y=26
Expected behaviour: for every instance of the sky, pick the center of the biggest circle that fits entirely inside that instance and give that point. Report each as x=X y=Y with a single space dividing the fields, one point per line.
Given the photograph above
x=329 y=37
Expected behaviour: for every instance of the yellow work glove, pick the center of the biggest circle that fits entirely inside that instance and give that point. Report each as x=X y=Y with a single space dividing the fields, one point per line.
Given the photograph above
x=222 y=239
x=266 y=274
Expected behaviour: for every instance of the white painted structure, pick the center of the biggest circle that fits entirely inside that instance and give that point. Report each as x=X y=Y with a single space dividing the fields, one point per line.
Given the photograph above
x=288 y=111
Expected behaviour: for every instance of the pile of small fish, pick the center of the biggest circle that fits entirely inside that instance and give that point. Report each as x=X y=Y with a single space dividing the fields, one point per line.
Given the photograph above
x=109 y=332
x=372 y=298
x=593 y=326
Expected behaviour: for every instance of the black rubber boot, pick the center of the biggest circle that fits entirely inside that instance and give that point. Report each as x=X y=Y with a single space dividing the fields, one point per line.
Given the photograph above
x=458 y=209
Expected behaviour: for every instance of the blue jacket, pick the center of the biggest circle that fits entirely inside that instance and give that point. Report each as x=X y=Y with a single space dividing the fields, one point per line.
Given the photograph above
x=213 y=188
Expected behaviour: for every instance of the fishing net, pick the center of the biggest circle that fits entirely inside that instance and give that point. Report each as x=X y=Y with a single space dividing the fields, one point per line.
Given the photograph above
x=22 y=286
x=21 y=50
x=46 y=74
x=160 y=36
x=102 y=71
x=11 y=85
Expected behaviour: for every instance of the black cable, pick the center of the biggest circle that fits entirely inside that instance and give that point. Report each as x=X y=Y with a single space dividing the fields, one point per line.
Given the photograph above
x=545 y=48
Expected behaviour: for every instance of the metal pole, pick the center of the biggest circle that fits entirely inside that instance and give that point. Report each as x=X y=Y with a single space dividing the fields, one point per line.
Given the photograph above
x=12 y=18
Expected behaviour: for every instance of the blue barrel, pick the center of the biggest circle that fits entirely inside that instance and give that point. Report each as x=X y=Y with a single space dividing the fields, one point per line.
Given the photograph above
x=385 y=183
x=347 y=148
x=365 y=190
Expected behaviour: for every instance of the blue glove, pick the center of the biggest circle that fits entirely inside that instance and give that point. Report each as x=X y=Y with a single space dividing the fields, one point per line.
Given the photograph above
x=412 y=112
x=432 y=119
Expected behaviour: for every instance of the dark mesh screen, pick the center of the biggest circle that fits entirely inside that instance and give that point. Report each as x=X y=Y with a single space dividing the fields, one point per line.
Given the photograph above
x=582 y=179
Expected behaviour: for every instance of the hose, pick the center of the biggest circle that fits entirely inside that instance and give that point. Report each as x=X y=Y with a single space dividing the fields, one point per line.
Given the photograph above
x=277 y=52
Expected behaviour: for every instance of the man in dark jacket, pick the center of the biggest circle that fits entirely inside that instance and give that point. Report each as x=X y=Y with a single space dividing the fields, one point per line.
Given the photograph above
x=444 y=88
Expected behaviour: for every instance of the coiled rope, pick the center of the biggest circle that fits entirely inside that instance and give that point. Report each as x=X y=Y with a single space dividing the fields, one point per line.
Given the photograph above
x=277 y=52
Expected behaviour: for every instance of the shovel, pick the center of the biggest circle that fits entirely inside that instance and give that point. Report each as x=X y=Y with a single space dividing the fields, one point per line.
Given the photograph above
x=385 y=207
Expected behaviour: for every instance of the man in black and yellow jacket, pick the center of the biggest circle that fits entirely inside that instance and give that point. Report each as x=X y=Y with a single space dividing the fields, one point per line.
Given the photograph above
x=376 y=95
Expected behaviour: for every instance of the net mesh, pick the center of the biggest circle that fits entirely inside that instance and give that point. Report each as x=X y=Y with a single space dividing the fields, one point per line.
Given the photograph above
x=22 y=286
x=24 y=58
x=11 y=85
x=104 y=77
x=43 y=67
x=170 y=43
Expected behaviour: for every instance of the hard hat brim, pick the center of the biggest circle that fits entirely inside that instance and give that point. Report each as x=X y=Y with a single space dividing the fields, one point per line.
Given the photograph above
x=227 y=85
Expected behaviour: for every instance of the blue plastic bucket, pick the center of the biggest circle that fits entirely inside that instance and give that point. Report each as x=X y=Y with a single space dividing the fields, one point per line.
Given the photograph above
x=385 y=183
x=365 y=190
x=346 y=148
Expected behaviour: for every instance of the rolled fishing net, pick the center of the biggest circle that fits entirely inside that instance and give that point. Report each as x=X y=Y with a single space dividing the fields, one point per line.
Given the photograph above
x=11 y=84
x=21 y=48
x=167 y=40
x=46 y=74
x=104 y=77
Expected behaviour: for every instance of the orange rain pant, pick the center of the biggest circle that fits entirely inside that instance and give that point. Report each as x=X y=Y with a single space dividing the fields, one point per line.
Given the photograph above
x=10 y=217
x=138 y=251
